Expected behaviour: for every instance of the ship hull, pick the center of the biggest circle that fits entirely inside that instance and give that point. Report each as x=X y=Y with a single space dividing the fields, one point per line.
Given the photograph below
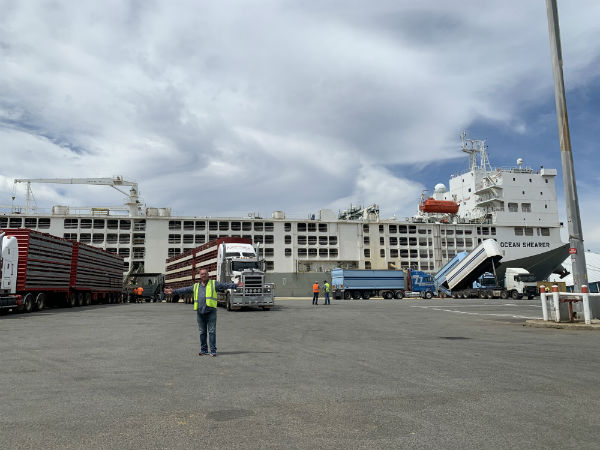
x=540 y=264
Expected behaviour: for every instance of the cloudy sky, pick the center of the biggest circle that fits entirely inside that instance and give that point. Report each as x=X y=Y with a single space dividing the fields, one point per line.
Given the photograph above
x=236 y=106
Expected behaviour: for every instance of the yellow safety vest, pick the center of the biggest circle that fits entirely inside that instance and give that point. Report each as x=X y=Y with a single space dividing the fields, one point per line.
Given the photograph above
x=211 y=294
x=327 y=287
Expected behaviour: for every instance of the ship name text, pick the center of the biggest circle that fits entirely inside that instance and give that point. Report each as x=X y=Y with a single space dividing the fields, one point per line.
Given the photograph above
x=524 y=244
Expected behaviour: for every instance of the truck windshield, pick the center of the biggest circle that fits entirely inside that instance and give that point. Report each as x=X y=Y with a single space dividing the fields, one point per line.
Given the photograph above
x=239 y=266
x=487 y=281
x=525 y=278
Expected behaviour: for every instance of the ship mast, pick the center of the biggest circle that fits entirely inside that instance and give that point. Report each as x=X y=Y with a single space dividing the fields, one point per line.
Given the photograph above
x=474 y=147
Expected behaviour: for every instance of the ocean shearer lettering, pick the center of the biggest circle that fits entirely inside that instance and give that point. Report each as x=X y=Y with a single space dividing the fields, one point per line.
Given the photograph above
x=524 y=244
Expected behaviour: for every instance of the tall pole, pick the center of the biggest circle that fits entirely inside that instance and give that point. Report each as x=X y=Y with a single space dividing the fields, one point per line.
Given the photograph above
x=573 y=218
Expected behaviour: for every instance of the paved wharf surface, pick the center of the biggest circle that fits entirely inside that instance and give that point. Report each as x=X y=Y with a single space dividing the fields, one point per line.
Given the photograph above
x=373 y=374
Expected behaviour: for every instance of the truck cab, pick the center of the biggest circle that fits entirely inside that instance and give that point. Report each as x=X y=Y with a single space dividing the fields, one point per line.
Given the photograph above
x=240 y=262
x=421 y=283
x=9 y=260
x=520 y=283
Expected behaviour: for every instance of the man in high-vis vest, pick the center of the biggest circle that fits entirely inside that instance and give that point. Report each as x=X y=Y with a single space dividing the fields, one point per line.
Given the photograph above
x=327 y=288
x=315 y=293
x=205 y=305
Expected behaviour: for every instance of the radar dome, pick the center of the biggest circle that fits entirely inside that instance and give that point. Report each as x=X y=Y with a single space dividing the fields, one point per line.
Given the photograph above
x=440 y=188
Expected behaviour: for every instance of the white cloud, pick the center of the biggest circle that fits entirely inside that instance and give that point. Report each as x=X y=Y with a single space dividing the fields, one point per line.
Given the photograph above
x=302 y=105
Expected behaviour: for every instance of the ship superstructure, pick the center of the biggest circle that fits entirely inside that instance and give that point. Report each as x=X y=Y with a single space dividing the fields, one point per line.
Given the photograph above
x=516 y=206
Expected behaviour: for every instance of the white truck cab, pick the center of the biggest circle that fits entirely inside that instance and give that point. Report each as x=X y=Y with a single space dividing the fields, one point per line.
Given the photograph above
x=9 y=264
x=239 y=262
x=520 y=283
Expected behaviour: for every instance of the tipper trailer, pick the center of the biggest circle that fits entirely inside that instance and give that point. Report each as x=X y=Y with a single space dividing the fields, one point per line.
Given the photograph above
x=385 y=283
x=40 y=269
x=475 y=276
x=227 y=259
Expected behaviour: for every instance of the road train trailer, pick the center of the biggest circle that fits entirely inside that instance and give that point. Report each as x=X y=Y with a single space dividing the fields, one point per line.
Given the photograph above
x=40 y=269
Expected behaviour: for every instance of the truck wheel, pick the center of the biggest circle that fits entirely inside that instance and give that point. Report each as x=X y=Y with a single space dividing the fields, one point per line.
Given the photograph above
x=228 y=302
x=504 y=295
x=72 y=300
x=515 y=295
x=79 y=299
x=347 y=295
x=366 y=295
x=40 y=301
x=399 y=295
x=428 y=295
x=388 y=295
x=28 y=303
x=530 y=297
x=88 y=299
x=356 y=295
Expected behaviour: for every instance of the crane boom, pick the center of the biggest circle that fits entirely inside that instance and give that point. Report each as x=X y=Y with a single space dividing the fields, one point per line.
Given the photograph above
x=114 y=181
x=132 y=203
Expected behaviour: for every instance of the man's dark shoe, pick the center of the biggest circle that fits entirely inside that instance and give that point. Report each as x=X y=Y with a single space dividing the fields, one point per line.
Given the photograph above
x=202 y=354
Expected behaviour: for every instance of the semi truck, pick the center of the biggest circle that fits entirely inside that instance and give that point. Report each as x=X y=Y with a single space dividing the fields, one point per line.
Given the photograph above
x=39 y=269
x=227 y=259
x=517 y=283
x=475 y=276
x=388 y=284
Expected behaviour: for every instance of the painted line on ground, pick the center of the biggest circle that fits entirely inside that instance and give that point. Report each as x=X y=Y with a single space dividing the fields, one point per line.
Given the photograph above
x=514 y=316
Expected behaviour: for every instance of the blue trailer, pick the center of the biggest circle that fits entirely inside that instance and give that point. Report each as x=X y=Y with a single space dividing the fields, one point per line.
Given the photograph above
x=388 y=284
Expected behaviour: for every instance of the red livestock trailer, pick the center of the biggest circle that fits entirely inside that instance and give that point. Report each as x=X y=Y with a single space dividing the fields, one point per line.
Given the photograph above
x=40 y=269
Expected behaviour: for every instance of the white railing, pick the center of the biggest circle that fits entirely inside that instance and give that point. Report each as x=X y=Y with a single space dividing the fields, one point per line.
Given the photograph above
x=567 y=297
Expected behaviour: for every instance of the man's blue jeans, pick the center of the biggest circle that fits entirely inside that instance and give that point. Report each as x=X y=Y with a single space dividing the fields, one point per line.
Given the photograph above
x=208 y=323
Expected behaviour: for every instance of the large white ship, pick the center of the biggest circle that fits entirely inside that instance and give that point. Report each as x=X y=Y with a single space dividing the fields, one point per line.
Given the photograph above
x=516 y=206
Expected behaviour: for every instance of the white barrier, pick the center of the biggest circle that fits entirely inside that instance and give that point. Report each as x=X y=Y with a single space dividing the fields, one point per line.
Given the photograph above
x=568 y=297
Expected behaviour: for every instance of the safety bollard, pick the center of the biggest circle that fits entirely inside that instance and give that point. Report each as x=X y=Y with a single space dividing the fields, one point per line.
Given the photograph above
x=586 y=305
x=544 y=305
x=556 y=299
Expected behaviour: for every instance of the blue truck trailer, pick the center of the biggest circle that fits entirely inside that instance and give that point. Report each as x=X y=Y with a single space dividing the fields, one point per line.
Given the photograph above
x=388 y=284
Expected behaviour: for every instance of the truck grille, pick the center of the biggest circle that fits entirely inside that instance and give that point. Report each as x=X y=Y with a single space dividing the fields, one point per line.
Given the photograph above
x=253 y=281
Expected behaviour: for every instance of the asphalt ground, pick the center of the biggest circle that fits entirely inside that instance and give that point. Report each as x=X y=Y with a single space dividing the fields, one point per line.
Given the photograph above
x=376 y=374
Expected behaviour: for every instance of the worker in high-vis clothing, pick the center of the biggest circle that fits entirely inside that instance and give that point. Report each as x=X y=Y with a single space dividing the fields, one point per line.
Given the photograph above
x=327 y=289
x=316 y=293
x=205 y=305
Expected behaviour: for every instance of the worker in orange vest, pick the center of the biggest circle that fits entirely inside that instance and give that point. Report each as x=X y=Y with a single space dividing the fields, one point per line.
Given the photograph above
x=139 y=291
x=315 y=293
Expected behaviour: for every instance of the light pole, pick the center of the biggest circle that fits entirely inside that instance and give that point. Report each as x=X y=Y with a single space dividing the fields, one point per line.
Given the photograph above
x=573 y=218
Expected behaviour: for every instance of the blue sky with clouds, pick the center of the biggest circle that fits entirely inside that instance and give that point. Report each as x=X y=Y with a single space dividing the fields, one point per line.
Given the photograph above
x=222 y=108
